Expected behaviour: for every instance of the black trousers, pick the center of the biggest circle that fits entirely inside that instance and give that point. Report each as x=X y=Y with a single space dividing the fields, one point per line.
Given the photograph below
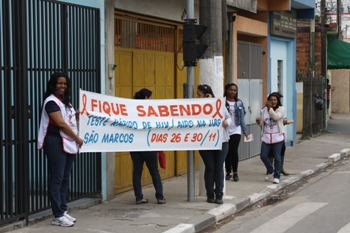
x=231 y=161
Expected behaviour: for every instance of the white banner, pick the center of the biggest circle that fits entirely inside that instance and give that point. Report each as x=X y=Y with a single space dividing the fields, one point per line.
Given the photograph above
x=112 y=124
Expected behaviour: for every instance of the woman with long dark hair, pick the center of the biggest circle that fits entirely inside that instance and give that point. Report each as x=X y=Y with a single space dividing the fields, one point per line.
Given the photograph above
x=235 y=107
x=272 y=135
x=58 y=135
x=214 y=159
x=151 y=160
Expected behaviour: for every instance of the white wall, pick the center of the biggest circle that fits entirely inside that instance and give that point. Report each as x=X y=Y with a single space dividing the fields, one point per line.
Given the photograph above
x=165 y=9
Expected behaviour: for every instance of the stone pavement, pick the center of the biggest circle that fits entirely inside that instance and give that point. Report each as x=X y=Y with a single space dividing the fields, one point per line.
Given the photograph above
x=121 y=214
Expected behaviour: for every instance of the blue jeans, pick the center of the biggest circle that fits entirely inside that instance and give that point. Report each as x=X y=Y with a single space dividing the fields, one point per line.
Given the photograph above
x=276 y=150
x=214 y=169
x=151 y=159
x=60 y=166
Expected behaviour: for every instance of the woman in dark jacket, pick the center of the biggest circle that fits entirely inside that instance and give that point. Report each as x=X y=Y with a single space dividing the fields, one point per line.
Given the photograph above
x=151 y=160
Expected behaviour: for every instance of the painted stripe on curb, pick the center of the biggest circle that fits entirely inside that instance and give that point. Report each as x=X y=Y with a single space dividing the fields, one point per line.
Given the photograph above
x=334 y=157
x=223 y=211
x=182 y=228
x=307 y=173
x=346 y=151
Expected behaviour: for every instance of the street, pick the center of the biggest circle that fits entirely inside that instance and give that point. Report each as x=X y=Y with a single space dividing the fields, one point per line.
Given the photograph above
x=319 y=205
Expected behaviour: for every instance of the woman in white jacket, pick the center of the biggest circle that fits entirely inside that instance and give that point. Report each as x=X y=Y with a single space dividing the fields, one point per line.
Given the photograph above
x=272 y=135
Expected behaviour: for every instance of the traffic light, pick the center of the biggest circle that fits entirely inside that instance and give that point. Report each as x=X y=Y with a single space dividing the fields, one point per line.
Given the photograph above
x=192 y=50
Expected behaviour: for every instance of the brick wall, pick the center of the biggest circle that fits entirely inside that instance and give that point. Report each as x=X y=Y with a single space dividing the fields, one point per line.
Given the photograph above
x=303 y=52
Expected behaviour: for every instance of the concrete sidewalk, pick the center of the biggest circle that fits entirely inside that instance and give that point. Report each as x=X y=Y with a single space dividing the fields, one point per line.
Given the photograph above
x=178 y=215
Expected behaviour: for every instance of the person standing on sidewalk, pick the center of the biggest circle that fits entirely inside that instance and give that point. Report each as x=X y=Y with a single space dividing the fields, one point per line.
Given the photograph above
x=283 y=151
x=272 y=135
x=236 y=109
x=58 y=135
x=328 y=93
x=151 y=160
x=214 y=159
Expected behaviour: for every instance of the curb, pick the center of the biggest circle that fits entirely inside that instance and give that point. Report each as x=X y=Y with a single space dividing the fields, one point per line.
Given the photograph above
x=215 y=215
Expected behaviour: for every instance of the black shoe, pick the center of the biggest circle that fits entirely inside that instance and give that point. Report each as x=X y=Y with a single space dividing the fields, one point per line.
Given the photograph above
x=228 y=176
x=235 y=177
x=210 y=198
x=284 y=172
x=218 y=199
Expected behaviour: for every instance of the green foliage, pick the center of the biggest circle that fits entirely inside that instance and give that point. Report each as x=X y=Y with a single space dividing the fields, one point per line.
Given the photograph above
x=317 y=18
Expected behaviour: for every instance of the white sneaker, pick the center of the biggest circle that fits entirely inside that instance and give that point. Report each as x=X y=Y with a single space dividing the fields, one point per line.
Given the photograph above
x=62 y=221
x=269 y=177
x=70 y=218
x=276 y=181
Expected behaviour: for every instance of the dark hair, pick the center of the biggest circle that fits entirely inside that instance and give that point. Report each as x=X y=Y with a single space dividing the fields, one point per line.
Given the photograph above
x=278 y=96
x=206 y=89
x=227 y=86
x=143 y=93
x=51 y=87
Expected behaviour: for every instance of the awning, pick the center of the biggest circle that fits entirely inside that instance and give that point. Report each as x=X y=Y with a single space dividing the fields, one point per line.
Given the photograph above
x=338 y=54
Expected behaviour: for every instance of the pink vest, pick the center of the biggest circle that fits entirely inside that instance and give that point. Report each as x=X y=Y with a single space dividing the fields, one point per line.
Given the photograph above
x=68 y=115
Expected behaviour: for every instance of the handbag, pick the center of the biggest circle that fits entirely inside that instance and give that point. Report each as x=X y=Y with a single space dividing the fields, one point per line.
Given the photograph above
x=162 y=159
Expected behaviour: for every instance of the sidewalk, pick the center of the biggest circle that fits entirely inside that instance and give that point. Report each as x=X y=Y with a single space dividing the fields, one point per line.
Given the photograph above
x=178 y=215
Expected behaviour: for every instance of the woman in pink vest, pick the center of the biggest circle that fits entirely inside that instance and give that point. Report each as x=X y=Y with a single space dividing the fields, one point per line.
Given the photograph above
x=58 y=135
x=272 y=135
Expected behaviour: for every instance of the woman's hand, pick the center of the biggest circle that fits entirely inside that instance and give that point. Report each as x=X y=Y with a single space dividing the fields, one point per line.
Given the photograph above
x=257 y=120
x=268 y=104
x=80 y=142
x=224 y=124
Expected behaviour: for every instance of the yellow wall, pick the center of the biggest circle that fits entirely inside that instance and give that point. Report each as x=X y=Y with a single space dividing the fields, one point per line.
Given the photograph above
x=158 y=72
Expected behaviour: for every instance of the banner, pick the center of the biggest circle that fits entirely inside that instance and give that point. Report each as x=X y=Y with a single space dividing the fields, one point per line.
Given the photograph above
x=112 y=124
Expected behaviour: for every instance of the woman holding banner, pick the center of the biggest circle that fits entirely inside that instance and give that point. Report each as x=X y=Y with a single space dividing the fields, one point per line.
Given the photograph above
x=214 y=159
x=151 y=160
x=58 y=136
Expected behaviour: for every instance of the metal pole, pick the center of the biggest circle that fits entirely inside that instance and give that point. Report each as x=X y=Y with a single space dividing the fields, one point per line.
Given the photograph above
x=339 y=12
x=190 y=94
x=312 y=59
x=229 y=50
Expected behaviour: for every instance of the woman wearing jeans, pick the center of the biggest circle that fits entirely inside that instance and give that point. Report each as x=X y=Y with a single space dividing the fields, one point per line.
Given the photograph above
x=272 y=135
x=214 y=159
x=151 y=160
x=58 y=136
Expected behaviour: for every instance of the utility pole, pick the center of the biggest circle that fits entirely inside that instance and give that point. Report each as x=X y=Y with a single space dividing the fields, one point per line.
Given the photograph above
x=191 y=52
x=190 y=94
x=323 y=46
x=339 y=13
x=323 y=40
x=211 y=63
